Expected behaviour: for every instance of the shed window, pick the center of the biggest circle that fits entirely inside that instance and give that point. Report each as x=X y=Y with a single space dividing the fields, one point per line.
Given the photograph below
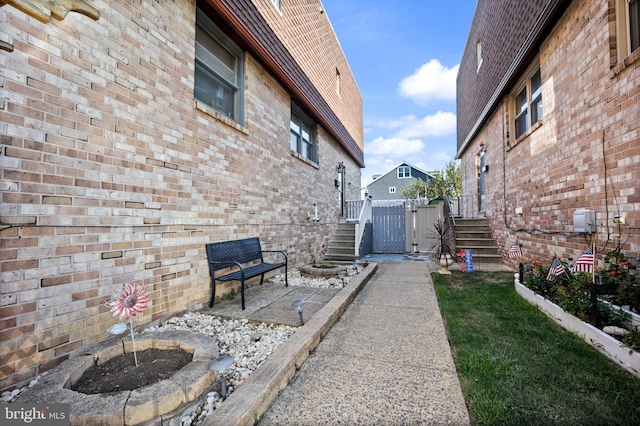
x=404 y=172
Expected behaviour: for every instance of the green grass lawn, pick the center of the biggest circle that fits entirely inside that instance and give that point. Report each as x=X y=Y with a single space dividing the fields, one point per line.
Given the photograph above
x=517 y=367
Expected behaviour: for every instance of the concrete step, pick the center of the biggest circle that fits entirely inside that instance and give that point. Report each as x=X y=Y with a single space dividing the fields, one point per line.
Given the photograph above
x=486 y=258
x=480 y=249
x=475 y=242
x=340 y=257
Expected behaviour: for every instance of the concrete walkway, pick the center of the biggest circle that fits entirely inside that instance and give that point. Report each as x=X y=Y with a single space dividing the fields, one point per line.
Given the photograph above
x=386 y=361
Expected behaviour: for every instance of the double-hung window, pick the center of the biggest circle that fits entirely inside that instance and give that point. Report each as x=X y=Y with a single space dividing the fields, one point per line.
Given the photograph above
x=404 y=172
x=627 y=17
x=219 y=70
x=528 y=104
x=302 y=137
x=634 y=24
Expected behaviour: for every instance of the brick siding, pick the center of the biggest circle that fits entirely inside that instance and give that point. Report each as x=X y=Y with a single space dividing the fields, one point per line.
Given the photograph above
x=591 y=125
x=111 y=173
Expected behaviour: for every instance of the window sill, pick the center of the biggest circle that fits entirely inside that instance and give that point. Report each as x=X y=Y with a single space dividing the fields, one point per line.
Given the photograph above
x=625 y=63
x=526 y=134
x=305 y=160
x=215 y=114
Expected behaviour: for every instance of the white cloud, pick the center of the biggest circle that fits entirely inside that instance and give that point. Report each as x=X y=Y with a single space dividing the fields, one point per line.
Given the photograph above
x=394 y=147
x=439 y=124
x=431 y=81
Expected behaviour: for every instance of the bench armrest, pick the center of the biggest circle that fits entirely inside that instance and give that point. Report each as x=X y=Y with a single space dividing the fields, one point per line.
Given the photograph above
x=276 y=251
x=238 y=264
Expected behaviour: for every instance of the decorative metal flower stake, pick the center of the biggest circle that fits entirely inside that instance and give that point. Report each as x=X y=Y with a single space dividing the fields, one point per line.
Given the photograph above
x=127 y=301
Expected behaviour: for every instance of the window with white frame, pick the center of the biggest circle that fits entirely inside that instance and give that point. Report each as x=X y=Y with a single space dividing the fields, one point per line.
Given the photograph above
x=276 y=3
x=528 y=103
x=627 y=27
x=404 y=172
x=392 y=190
x=302 y=138
x=479 y=54
x=219 y=70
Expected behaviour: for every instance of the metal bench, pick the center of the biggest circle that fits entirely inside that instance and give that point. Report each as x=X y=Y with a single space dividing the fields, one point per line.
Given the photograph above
x=245 y=257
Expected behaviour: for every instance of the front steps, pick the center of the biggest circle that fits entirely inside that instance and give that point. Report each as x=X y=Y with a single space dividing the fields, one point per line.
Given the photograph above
x=342 y=246
x=475 y=235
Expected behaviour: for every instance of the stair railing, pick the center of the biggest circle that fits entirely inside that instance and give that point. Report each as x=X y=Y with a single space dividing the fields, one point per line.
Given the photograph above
x=363 y=219
x=352 y=210
x=451 y=223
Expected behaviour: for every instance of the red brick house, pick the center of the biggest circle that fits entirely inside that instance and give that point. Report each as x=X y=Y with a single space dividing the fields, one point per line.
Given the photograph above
x=131 y=138
x=549 y=123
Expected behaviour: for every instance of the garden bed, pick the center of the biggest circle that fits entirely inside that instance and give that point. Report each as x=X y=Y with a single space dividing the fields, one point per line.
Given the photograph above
x=626 y=357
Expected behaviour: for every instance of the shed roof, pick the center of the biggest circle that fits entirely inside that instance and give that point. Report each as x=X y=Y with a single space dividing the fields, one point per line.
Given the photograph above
x=404 y=163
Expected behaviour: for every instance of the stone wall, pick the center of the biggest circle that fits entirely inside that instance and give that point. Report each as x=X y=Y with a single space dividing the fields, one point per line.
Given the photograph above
x=585 y=153
x=110 y=173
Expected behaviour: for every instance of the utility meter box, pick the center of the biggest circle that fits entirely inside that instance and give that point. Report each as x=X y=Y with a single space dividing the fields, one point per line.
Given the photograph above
x=584 y=221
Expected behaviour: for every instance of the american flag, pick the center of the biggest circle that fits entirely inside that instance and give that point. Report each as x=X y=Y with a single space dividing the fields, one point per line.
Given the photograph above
x=556 y=269
x=585 y=262
x=515 y=251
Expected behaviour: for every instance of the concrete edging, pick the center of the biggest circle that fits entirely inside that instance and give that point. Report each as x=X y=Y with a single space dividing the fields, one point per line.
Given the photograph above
x=261 y=388
x=625 y=357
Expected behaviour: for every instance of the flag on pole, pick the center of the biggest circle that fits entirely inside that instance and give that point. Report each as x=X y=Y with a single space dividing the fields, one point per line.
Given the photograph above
x=555 y=270
x=515 y=251
x=585 y=262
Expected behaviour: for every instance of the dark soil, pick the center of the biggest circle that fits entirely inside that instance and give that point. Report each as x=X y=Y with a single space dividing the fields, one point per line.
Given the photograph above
x=120 y=373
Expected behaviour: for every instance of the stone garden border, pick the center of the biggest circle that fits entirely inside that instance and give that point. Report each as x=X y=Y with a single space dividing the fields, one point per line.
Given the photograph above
x=129 y=407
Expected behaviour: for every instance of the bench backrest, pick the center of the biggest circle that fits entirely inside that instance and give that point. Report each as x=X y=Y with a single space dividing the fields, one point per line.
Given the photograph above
x=242 y=251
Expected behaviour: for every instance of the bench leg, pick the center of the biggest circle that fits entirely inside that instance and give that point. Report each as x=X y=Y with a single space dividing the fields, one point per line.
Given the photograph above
x=242 y=292
x=213 y=292
x=286 y=276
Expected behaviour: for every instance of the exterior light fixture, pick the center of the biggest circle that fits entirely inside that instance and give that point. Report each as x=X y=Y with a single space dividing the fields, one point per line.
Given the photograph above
x=298 y=304
x=341 y=275
x=220 y=365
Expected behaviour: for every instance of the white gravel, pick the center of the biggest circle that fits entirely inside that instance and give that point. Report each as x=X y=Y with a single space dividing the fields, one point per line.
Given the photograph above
x=249 y=343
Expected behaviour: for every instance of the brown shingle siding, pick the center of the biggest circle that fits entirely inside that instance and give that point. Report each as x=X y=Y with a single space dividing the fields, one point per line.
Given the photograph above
x=511 y=32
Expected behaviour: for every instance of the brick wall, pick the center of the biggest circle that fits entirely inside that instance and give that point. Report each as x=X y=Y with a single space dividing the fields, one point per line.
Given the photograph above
x=305 y=30
x=111 y=173
x=585 y=153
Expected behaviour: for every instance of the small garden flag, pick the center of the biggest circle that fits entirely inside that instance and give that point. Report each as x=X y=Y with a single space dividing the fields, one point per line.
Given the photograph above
x=515 y=251
x=585 y=262
x=555 y=270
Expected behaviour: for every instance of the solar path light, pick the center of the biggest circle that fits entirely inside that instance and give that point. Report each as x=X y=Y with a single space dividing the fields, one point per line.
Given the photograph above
x=219 y=365
x=298 y=304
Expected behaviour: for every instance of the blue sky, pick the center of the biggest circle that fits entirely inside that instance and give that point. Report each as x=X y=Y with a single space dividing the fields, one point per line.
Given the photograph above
x=404 y=56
